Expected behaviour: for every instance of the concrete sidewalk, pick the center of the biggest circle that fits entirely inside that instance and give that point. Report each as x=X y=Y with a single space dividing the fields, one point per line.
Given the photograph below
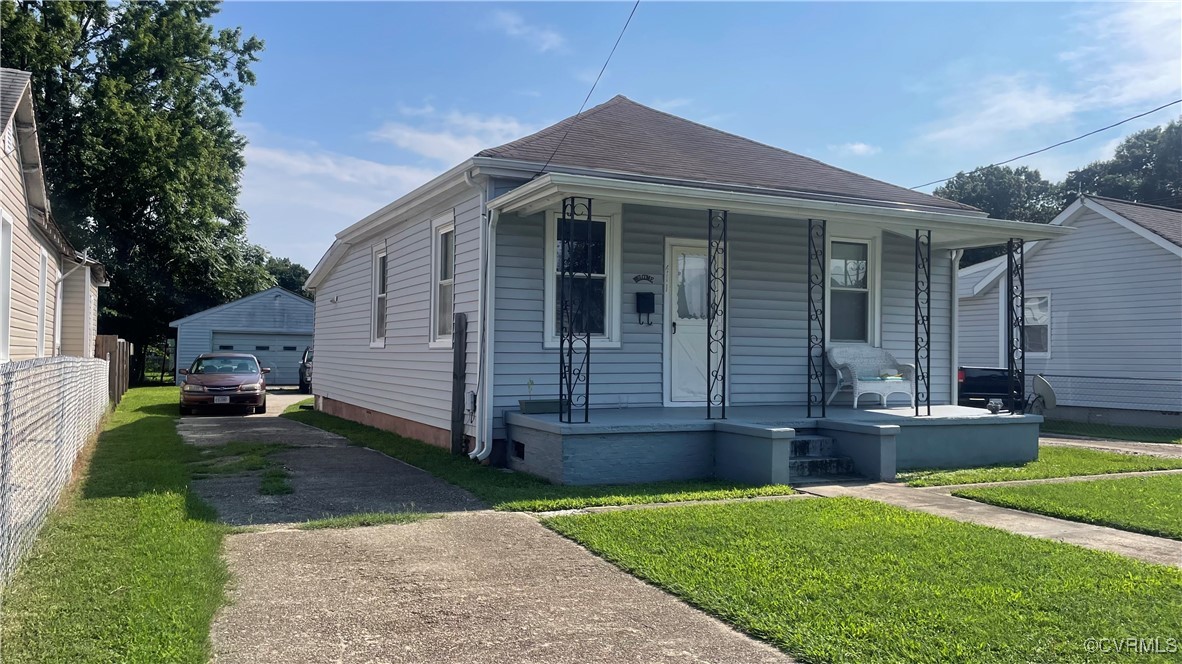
x=468 y=587
x=1150 y=549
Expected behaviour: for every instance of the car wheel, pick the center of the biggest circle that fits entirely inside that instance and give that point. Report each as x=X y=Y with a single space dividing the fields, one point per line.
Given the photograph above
x=305 y=388
x=261 y=409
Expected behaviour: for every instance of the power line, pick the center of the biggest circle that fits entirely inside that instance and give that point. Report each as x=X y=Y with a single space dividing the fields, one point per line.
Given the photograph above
x=592 y=90
x=1051 y=147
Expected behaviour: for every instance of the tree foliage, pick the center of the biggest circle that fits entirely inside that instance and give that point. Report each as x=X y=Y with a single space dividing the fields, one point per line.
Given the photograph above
x=1146 y=168
x=289 y=275
x=135 y=104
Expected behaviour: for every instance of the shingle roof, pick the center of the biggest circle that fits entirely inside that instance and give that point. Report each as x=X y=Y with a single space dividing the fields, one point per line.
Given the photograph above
x=623 y=136
x=12 y=84
x=1166 y=222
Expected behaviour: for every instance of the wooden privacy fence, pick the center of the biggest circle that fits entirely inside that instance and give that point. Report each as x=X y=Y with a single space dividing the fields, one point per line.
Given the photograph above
x=117 y=352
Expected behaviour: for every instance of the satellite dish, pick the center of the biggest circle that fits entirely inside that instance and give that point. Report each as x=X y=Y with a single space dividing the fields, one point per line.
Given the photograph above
x=1043 y=389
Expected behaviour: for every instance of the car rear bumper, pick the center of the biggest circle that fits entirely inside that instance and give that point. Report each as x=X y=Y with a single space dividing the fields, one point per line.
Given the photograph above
x=201 y=400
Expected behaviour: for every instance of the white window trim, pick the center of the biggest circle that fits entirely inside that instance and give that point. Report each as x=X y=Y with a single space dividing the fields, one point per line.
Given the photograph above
x=874 y=253
x=439 y=226
x=376 y=254
x=5 y=283
x=1050 y=319
x=613 y=216
x=1002 y=343
x=42 y=301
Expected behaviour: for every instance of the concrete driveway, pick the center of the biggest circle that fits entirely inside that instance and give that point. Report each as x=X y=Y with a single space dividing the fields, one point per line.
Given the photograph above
x=328 y=476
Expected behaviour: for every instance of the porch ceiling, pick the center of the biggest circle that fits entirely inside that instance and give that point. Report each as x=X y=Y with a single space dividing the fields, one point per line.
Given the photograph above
x=949 y=230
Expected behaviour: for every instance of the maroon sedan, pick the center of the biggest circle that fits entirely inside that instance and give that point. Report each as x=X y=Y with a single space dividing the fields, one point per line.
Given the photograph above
x=233 y=380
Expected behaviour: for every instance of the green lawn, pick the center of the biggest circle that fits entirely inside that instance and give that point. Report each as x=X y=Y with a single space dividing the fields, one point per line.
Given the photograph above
x=847 y=580
x=1113 y=432
x=1141 y=504
x=519 y=491
x=127 y=569
x=1052 y=462
x=366 y=519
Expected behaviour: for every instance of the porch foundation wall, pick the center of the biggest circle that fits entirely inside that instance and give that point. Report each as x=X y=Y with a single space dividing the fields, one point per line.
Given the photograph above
x=752 y=455
x=967 y=444
x=872 y=447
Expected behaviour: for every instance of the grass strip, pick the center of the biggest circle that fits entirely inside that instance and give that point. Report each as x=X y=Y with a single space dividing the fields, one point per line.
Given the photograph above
x=366 y=519
x=520 y=491
x=1147 y=505
x=274 y=482
x=1113 y=432
x=127 y=568
x=847 y=580
x=1052 y=461
x=233 y=458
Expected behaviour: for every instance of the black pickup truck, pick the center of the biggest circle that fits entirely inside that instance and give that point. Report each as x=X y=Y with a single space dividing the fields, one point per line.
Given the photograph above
x=980 y=384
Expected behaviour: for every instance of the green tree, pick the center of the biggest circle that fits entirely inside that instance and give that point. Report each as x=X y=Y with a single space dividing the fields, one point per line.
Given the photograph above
x=1017 y=194
x=1146 y=168
x=288 y=274
x=134 y=106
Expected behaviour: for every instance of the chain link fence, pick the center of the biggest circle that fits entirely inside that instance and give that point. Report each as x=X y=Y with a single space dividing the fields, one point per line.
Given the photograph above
x=49 y=408
x=1116 y=407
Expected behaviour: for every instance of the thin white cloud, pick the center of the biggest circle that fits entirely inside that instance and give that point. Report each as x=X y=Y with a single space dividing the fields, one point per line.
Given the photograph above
x=669 y=105
x=856 y=149
x=1124 y=58
x=451 y=137
x=541 y=38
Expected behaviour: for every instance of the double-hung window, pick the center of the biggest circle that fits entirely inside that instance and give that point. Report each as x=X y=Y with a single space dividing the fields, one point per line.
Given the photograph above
x=1038 y=324
x=851 y=301
x=582 y=287
x=378 y=311
x=443 y=269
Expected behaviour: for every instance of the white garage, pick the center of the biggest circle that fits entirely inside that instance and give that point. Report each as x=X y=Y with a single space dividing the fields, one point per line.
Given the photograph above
x=274 y=325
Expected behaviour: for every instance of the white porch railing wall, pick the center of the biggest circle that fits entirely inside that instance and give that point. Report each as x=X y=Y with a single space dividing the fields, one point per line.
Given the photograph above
x=49 y=408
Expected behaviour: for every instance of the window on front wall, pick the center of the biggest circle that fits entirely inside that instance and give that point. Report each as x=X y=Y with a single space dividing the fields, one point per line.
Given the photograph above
x=443 y=267
x=378 y=311
x=1038 y=324
x=850 y=291
x=588 y=284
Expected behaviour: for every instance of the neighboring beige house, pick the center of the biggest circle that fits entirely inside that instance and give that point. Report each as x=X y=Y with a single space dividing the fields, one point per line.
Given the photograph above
x=48 y=291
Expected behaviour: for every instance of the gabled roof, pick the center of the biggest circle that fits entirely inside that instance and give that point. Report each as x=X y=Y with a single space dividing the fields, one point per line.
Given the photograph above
x=1156 y=224
x=1163 y=221
x=249 y=298
x=622 y=136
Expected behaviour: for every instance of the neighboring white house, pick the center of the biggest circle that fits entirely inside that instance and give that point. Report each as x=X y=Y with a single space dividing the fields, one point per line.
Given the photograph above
x=1103 y=313
x=274 y=325
x=485 y=239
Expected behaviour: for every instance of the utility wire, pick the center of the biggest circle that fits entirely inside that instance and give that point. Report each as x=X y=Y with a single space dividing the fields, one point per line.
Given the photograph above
x=1051 y=147
x=592 y=90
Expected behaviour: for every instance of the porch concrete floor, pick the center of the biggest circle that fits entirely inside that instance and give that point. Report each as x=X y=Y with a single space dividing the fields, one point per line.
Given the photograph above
x=1150 y=549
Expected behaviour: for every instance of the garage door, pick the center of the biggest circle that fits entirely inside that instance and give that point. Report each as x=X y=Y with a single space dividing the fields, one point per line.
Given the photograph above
x=280 y=352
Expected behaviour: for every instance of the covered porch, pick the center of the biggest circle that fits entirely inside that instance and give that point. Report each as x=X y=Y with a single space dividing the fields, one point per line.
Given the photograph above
x=744 y=373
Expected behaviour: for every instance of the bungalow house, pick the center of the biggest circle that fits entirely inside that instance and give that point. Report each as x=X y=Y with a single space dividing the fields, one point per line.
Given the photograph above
x=48 y=290
x=1103 y=313
x=673 y=292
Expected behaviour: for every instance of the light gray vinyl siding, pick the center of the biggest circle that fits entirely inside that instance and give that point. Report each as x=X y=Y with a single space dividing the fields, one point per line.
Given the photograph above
x=768 y=305
x=980 y=334
x=1116 y=313
x=74 y=332
x=273 y=311
x=405 y=378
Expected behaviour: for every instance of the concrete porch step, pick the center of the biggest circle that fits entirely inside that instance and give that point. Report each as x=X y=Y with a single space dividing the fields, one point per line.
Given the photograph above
x=819 y=465
x=812 y=445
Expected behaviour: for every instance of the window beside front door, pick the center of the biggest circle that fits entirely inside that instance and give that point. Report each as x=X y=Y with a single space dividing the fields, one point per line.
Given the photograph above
x=590 y=279
x=851 y=284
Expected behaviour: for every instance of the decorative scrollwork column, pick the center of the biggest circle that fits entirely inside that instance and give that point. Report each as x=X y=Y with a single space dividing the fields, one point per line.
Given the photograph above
x=923 y=320
x=716 y=315
x=574 y=330
x=816 y=315
x=1016 y=324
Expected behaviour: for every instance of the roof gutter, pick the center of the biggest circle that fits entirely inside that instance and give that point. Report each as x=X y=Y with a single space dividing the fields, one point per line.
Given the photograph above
x=548 y=189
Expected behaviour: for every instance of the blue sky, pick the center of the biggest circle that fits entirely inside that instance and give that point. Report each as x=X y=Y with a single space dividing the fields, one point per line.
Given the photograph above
x=358 y=103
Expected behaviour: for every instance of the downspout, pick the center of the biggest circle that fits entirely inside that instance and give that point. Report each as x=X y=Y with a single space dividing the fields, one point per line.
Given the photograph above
x=480 y=313
x=489 y=274
x=954 y=313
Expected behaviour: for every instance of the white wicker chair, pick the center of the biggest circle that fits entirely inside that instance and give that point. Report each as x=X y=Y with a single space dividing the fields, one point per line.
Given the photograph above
x=863 y=368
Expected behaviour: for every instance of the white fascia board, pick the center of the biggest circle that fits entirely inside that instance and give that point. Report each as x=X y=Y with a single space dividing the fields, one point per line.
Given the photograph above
x=552 y=187
x=330 y=258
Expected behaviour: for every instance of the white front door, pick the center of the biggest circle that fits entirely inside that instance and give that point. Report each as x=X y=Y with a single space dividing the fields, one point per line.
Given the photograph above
x=686 y=322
